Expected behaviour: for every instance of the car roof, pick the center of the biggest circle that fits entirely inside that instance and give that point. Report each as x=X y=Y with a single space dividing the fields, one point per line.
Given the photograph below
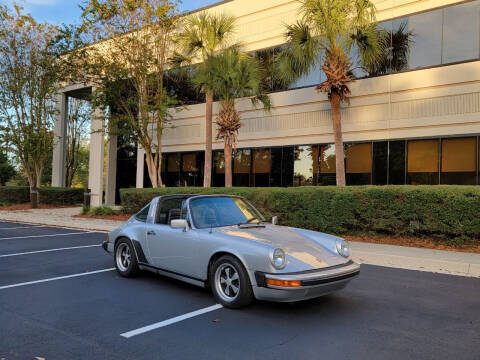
x=191 y=196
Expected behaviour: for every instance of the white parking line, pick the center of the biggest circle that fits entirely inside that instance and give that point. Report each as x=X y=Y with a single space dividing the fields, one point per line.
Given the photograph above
x=174 y=320
x=21 y=227
x=54 y=279
x=49 y=250
x=49 y=235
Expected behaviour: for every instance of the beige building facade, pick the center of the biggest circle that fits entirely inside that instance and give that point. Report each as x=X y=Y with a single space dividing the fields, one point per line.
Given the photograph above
x=415 y=125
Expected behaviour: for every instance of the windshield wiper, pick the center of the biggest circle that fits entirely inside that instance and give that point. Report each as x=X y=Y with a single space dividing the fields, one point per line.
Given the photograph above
x=249 y=221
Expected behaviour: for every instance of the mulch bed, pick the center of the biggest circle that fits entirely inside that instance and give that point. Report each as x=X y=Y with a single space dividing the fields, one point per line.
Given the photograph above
x=26 y=206
x=117 y=217
x=426 y=243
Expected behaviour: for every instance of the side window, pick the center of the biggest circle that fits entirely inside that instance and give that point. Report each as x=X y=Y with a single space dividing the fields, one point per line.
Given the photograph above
x=169 y=210
x=143 y=214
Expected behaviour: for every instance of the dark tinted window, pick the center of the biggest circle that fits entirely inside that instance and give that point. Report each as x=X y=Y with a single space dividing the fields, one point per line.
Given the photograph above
x=380 y=159
x=396 y=172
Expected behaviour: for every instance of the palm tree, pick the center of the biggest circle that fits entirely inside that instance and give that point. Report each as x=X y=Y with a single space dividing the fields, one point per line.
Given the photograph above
x=204 y=35
x=331 y=27
x=232 y=74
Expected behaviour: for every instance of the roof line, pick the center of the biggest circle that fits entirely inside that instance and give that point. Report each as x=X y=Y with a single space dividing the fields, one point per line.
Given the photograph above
x=187 y=13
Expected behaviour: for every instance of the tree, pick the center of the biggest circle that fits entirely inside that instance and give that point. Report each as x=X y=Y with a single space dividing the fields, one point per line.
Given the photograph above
x=77 y=120
x=29 y=73
x=332 y=28
x=127 y=73
x=205 y=35
x=232 y=74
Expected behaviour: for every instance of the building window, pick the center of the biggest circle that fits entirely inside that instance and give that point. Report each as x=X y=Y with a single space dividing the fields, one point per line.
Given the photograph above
x=287 y=165
x=218 y=178
x=423 y=162
x=327 y=175
x=461 y=29
x=276 y=169
x=380 y=163
x=261 y=167
x=358 y=167
x=190 y=175
x=241 y=167
x=426 y=47
x=459 y=161
x=396 y=162
x=306 y=165
x=172 y=175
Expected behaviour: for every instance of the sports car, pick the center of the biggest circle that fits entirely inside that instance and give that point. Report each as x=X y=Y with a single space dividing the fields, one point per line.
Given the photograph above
x=224 y=243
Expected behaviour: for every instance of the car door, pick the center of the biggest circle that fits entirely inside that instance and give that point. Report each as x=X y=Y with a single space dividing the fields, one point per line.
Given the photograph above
x=172 y=249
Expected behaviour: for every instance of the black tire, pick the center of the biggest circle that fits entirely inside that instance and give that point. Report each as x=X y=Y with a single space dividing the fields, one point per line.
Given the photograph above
x=124 y=249
x=243 y=296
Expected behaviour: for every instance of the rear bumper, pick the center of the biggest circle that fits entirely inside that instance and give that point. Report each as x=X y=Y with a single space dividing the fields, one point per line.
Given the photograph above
x=108 y=247
x=314 y=283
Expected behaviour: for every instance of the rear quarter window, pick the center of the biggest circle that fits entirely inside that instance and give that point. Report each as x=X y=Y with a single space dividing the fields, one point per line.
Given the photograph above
x=142 y=215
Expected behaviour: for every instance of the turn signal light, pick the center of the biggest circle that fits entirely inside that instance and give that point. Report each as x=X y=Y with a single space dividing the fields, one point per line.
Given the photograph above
x=108 y=238
x=284 y=283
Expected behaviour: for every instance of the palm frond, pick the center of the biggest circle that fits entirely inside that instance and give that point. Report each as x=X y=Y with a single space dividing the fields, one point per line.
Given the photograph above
x=300 y=54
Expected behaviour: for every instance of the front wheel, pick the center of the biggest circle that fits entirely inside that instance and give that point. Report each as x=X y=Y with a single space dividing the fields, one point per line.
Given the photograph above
x=125 y=259
x=230 y=283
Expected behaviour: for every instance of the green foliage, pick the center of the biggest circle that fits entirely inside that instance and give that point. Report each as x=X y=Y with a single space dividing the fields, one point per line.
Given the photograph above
x=101 y=211
x=61 y=196
x=15 y=194
x=48 y=195
x=29 y=71
x=329 y=26
x=128 y=73
x=444 y=212
x=7 y=171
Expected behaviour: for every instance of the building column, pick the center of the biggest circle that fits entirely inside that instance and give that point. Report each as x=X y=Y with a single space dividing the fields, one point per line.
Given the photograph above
x=95 y=170
x=59 y=141
x=111 y=180
x=140 y=167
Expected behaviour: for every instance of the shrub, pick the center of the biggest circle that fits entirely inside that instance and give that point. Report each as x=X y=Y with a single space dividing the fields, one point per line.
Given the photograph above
x=446 y=212
x=61 y=196
x=101 y=211
x=14 y=194
x=48 y=195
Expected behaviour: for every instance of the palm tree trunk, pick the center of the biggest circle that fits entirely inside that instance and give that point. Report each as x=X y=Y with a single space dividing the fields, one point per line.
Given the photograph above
x=207 y=177
x=337 y=134
x=228 y=164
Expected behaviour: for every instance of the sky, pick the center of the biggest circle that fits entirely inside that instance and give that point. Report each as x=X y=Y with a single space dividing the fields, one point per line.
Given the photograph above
x=67 y=11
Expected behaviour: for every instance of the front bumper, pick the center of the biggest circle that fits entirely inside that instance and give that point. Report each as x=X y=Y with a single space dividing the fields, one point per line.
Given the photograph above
x=314 y=283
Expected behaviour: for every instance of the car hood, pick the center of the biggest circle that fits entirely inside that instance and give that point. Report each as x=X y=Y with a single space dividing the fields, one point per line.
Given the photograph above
x=298 y=248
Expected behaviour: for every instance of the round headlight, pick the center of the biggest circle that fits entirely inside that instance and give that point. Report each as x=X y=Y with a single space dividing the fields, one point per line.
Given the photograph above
x=343 y=248
x=278 y=258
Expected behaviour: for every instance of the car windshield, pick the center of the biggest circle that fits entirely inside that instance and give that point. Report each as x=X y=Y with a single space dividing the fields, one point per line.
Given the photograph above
x=223 y=211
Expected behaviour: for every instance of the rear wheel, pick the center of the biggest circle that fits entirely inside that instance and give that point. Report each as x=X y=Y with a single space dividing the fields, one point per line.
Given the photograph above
x=230 y=283
x=125 y=259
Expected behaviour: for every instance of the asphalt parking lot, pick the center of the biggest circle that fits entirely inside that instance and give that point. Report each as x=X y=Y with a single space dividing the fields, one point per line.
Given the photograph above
x=60 y=299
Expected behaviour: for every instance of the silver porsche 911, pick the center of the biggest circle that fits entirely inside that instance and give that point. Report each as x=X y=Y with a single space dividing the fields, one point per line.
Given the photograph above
x=224 y=243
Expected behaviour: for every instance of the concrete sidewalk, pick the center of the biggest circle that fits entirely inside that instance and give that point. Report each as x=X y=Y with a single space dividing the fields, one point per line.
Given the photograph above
x=60 y=217
x=439 y=261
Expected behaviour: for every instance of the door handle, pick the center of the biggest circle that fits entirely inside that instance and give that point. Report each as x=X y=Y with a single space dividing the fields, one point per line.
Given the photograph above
x=151 y=232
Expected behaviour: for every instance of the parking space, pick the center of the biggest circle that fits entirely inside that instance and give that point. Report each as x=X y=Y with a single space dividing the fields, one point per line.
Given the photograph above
x=82 y=312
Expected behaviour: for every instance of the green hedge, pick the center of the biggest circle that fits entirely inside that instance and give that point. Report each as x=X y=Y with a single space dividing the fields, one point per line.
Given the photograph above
x=449 y=212
x=48 y=195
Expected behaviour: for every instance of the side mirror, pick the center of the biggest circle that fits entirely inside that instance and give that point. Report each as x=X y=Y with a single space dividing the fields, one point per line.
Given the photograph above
x=274 y=220
x=179 y=224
